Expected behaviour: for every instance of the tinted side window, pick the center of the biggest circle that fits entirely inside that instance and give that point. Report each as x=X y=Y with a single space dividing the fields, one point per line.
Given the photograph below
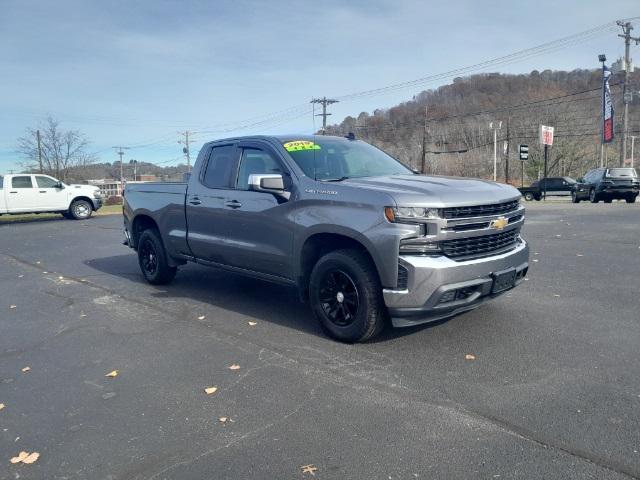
x=219 y=167
x=21 y=182
x=1 y=181
x=255 y=161
x=45 y=182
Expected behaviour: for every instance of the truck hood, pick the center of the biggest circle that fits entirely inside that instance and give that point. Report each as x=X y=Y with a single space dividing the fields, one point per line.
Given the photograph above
x=436 y=191
x=85 y=188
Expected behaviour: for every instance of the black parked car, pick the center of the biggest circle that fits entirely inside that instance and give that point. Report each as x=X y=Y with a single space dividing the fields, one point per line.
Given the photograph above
x=555 y=186
x=607 y=184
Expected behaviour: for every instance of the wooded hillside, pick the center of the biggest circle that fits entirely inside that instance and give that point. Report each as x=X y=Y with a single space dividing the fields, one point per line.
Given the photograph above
x=458 y=117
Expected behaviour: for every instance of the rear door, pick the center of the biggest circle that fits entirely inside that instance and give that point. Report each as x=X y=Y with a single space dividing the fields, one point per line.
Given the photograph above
x=21 y=195
x=205 y=204
x=49 y=197
x=259 y=232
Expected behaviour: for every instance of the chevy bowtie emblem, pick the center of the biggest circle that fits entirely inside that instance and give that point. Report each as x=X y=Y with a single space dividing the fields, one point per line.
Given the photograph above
x=499 y=223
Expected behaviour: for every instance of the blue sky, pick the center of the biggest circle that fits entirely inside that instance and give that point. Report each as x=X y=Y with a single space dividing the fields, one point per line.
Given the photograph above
x=135 y=73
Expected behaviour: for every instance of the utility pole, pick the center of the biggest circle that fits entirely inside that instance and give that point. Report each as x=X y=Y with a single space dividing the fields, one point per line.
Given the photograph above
x=324 y=101
x=423 y=167
x=633 y=141
x=186 y=150
x=626 y=30
x=39 y=150
x=495 y=127
x=135 y=169
x=120 y=151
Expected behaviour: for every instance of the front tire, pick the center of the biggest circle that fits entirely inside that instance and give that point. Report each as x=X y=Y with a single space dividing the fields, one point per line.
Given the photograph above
x=574 y=197
x=593 y=196
x=528 y=196
x=631 y=199
x=152 y=259
x=346 y=296
x=80 y=210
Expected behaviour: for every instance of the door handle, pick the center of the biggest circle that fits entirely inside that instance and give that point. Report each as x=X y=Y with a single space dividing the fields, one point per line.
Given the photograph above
x=233 y=204
x=43 y=191
x=195 y=201
x=13 y=192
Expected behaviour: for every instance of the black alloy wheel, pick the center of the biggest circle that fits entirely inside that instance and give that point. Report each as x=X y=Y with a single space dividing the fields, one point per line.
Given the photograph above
x=148 y=258
x=339 y=297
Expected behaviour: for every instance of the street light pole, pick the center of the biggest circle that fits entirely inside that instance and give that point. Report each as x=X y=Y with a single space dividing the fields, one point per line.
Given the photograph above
x=495 y=127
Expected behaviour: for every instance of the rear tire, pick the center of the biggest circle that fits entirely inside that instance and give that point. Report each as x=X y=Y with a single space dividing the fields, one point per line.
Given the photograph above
x=80 y=210
x=152 y=259
x=528 y=196
x=346 y=296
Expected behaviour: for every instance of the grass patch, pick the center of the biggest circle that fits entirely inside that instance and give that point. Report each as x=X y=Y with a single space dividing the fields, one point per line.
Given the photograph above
x=35 y=217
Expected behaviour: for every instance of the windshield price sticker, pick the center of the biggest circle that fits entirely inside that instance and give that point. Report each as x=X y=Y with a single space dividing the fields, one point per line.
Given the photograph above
x=300 y=145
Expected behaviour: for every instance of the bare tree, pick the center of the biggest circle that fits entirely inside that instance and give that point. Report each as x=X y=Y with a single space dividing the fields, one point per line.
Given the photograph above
x=60 y=150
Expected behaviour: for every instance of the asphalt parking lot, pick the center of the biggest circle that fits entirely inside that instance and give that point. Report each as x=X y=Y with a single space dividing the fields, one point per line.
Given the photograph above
x=553 y=392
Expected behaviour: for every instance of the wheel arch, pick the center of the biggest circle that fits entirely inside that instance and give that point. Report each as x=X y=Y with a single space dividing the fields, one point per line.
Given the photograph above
x=319 y=243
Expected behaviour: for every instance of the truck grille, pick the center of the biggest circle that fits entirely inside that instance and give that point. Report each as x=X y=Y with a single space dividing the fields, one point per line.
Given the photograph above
x=480 y=210
x=475 y=247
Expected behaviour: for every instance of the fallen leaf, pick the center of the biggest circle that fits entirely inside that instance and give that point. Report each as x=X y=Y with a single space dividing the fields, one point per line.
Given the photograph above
x=21 y=456
x=579 y=255
x=45 y=272
x=201 y=317
x=556 y=295
x=253 y=323
x=31 y=458
x=210 y=390
x=312 y=469
x=20 y=276
x=536 y=260
x=1 y=406
x=11 y=307
x=60 y=277
x=38 y=262
x=25 y=369
x=112 y=374
x=469 y=356
x=222 y=419
x=234 y=367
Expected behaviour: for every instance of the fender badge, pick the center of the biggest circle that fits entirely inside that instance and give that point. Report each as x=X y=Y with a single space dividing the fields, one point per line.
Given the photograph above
x=499 y=223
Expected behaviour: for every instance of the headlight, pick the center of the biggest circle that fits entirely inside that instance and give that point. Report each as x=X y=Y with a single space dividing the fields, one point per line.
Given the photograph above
x=97 y=195
x=410 y=214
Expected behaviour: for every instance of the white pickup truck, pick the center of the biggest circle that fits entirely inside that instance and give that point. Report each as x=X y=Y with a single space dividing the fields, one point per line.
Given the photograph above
x=27 y=193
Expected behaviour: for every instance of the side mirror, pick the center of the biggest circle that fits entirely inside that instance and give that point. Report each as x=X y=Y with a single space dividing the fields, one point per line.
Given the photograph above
x=59 y=186
x=268 y=182
x=580 y=180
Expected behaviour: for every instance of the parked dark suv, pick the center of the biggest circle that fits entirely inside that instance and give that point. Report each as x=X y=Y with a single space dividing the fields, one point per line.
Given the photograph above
x=607 y=184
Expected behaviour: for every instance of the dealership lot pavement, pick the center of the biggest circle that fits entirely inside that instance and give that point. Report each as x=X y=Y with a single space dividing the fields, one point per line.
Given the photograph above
x=553 y=392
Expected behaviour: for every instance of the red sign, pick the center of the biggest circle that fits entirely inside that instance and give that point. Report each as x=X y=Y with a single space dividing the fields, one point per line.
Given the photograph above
x=546 y=135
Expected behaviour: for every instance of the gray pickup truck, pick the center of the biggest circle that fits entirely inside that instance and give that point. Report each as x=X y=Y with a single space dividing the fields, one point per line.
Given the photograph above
x=362 y=237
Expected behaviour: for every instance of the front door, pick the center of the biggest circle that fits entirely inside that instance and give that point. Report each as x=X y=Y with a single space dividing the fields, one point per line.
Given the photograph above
x=49 y=197
x=259 y=232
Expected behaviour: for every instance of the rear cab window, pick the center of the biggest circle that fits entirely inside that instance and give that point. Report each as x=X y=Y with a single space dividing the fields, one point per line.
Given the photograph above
x=219 y=168
x=621 y=173
x=21 y=182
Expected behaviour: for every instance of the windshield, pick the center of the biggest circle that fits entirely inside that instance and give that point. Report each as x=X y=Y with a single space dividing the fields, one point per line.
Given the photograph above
x=335 y=159
x=621 y=172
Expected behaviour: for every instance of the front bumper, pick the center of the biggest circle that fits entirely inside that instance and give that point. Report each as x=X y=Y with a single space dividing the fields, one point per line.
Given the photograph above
x=97 y=203
x=431 y=280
